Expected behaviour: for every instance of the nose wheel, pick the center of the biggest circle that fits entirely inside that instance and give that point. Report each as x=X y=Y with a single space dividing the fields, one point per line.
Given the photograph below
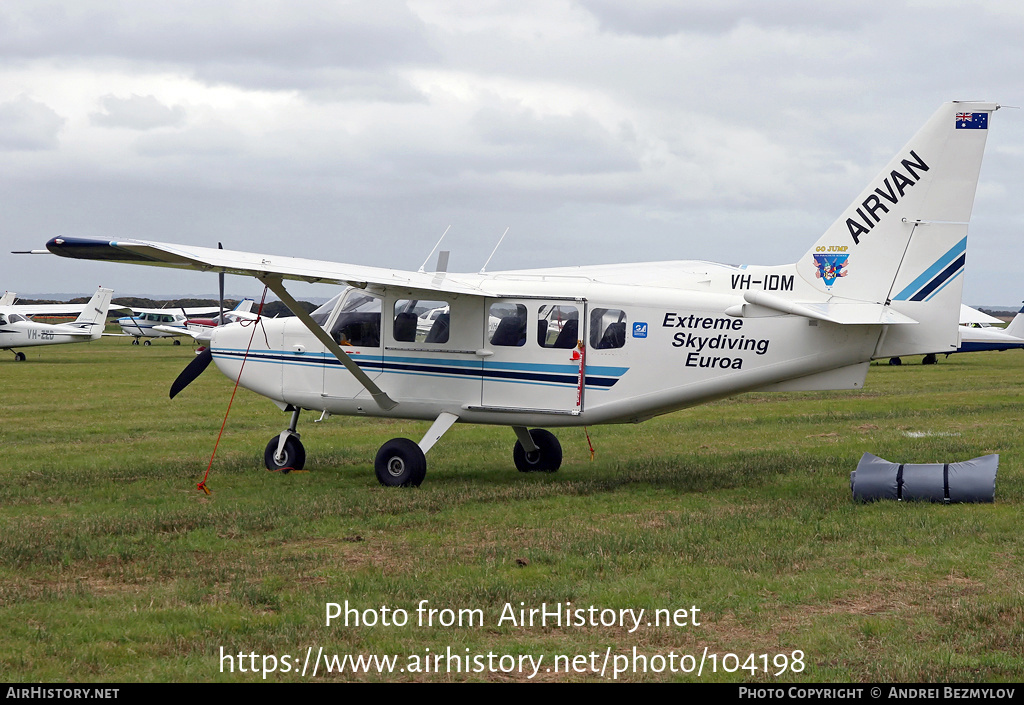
x=285 y=452
x=291 y=457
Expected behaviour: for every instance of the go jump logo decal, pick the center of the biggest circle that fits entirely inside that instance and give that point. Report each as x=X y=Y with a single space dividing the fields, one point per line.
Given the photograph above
x=830 y=267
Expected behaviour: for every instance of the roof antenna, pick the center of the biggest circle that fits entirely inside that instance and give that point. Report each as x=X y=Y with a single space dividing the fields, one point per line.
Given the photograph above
x=423 y=266
x=482 y=269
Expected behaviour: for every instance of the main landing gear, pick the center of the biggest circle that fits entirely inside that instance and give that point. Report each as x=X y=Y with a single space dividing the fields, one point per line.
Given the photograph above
x=19 y=356
x=402 y=462
x=536 y=450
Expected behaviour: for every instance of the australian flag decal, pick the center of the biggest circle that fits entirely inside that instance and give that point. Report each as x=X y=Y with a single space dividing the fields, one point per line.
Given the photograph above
x=830 y=267
x=972 y=121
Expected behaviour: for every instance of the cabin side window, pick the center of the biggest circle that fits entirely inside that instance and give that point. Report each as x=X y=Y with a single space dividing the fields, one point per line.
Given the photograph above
x=507 y=324
x=607 y=328
x=358 y=322
x=420 y=321
x=558 y=326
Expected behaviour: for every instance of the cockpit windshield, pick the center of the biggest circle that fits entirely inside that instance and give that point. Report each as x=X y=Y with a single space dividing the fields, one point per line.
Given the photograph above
x=323 y=312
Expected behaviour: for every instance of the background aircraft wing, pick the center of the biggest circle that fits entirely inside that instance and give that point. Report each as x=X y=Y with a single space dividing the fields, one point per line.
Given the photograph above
x=54 y=309
x=187 y=310
x=970 y=315
x=162 y=254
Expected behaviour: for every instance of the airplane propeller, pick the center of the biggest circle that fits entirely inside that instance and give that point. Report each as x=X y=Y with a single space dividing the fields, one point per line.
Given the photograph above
x=191 y=371
x=205 y=357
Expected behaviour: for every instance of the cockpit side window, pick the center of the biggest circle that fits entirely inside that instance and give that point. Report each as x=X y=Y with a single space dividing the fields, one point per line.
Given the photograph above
x=358 y=322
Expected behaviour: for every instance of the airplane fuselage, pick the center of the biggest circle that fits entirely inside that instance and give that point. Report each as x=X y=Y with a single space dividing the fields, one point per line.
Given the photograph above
x=632 y=352
x=27 y=334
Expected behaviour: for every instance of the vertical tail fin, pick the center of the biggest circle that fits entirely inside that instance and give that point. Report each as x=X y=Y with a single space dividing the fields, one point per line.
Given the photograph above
x=1016 y=326
x=903 y=241
x=95 y=312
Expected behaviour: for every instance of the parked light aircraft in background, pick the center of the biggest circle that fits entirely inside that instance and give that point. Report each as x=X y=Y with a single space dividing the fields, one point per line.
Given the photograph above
x=146 y=323
x=648 y=339
x=17 y=331
x=241 y=312
x=201 y=328
x=979 y=333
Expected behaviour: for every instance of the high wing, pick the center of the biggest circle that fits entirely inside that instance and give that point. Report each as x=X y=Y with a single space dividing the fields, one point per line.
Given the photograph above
x=188 y=311
x=970 y=316
x=265 y=267
x=253 y=264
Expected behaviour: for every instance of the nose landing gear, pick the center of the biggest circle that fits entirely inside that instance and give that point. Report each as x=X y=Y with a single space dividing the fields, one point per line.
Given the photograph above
x=285 y=452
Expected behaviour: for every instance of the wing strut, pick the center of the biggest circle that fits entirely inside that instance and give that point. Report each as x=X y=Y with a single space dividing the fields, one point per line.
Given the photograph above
x=276 y=285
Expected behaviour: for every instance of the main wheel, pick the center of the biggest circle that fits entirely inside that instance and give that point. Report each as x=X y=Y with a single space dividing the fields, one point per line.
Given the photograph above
x=293 y=455
x=929 y=359
x=147 y=341
x=135 y=341
x=19 y=357
x=895 y=361
x=547 y=457
x=400 y=463
x=177 y=342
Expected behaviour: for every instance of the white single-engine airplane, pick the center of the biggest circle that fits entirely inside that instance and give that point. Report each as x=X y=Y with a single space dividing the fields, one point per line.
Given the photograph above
x=147 y=323
x=17 y=331
x=633 y=340
x=978 y=332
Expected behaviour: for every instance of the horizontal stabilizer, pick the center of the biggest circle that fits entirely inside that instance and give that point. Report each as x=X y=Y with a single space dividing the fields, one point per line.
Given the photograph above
x=850 y=313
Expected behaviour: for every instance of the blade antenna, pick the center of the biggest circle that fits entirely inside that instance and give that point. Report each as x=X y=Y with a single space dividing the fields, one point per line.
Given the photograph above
x=484 y=268
x=423 y=266
x=220 y=301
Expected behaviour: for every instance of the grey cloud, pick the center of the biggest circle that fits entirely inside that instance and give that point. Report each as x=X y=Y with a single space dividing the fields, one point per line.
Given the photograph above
x=551 y=144
x=662 y=18
x=27 y=124
x=137 y=113
x=209 y=38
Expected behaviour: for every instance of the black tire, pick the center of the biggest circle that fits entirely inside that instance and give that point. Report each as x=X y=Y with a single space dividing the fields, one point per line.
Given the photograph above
x=19 y=357
x=400 y=463
x=147 y=341
x=895 y=361
x=548 y=457
x=294 y=455
x=177 y=342
x=135 y=341
x=929 y=359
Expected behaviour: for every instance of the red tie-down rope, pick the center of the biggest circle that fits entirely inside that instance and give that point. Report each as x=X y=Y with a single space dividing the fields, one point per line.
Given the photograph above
x=202 y=484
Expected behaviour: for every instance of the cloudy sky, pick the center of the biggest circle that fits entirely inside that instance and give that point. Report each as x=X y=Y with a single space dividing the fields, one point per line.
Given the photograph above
x=595 y=130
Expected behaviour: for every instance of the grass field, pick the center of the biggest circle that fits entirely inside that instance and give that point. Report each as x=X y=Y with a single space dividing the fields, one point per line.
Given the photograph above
x=114 y=568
